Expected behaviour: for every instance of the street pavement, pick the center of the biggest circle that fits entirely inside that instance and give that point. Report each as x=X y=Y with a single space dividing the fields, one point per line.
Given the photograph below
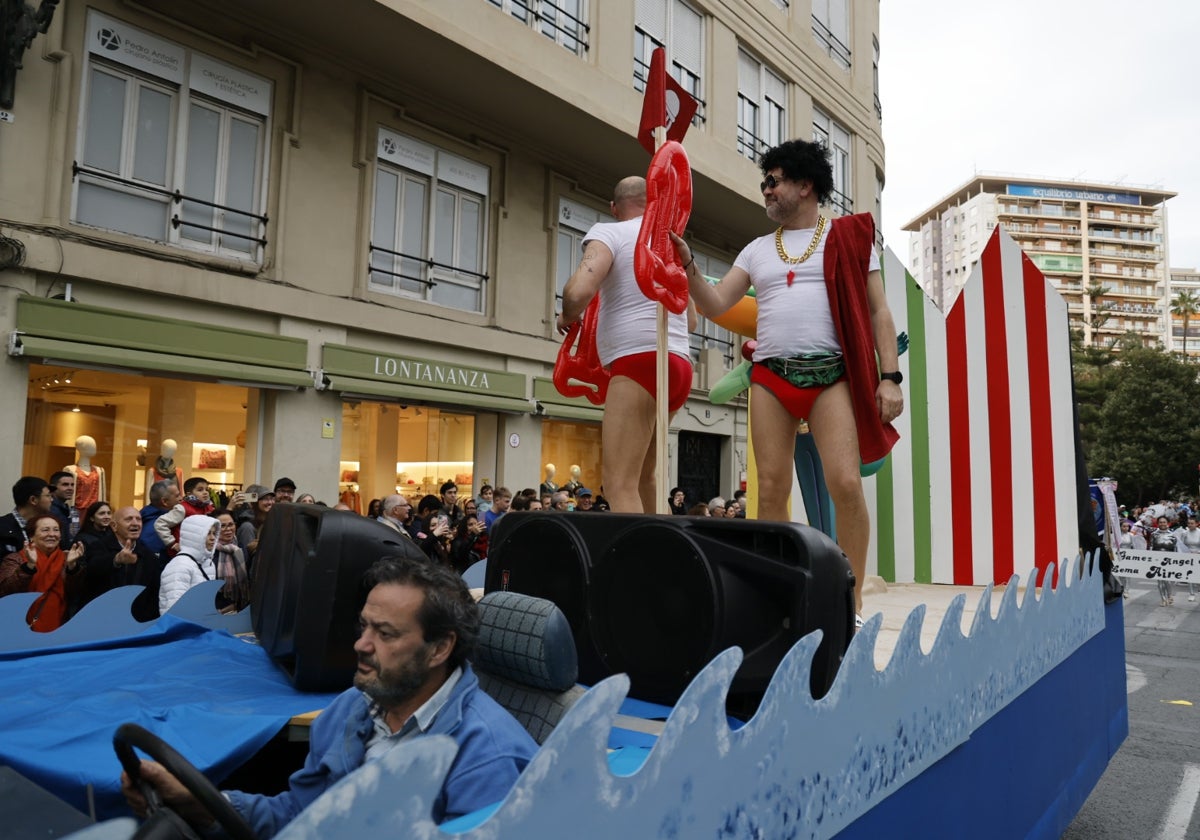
x=1151 y=788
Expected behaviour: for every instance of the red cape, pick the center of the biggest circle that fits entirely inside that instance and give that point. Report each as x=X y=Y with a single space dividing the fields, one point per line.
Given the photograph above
x=847 y=263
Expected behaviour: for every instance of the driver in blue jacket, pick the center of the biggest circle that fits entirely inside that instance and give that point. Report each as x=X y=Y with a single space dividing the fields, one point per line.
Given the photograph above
x=419 y=625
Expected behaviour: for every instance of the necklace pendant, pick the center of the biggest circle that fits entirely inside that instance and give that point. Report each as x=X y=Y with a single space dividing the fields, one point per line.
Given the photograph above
x=790 y=277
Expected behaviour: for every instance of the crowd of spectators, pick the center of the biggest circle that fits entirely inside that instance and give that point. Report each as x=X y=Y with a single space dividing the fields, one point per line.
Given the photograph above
x=177 y=540
x=180 y=538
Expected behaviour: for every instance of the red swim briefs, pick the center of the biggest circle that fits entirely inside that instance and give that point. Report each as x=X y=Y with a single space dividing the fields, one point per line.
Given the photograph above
x=640 y=367
x=798 y=401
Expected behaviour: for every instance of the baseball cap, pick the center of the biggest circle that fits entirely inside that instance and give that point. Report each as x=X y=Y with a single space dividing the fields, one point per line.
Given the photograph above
x=285 y=482
x=582 y=491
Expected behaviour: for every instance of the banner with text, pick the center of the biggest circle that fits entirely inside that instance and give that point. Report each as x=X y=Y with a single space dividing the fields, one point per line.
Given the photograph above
x=1158 y=565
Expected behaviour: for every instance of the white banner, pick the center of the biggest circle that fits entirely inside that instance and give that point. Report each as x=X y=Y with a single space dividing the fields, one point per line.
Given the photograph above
x=1158 y=565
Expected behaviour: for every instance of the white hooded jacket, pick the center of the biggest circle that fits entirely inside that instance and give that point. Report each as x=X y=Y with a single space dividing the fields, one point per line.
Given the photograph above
x=192 y=565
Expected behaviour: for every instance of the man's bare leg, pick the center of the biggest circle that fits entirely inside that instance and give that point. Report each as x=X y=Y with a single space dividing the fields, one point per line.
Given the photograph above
x=836 y=438
x=627 y=434
x=773 y=435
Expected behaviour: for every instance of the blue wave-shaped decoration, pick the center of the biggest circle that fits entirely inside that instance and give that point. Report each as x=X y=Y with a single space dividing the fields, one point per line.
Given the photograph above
x=801 y=768
x=109 y=617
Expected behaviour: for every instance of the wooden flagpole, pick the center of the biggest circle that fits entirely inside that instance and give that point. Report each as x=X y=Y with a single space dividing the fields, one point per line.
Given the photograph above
x=661 y=384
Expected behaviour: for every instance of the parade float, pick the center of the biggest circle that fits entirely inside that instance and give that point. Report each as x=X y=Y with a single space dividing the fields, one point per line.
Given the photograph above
x=992 y=726
x=998 y=727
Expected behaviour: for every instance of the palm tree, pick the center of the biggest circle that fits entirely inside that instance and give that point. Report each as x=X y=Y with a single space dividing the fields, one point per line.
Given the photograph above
x=1100 y=309
x=1186 y=305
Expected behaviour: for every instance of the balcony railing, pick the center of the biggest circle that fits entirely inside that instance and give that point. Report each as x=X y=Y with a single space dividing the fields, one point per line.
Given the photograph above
x=833 y=45
x=177 y=198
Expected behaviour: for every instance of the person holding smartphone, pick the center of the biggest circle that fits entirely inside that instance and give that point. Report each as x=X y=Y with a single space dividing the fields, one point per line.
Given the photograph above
x=432 y=529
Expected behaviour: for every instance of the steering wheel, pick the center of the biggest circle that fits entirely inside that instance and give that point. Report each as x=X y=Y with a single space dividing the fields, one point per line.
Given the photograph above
x=161 y=821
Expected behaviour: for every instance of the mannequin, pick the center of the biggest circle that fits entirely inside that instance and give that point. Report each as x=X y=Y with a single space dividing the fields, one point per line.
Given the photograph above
x=164 y=467
x=548 y=486
x=90 y=485
x=576 y=481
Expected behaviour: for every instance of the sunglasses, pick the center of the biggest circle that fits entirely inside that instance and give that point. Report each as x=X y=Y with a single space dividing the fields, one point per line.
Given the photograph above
x=770 y=181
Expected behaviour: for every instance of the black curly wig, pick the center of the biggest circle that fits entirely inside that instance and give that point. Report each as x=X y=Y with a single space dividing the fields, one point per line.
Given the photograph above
x=801 y=160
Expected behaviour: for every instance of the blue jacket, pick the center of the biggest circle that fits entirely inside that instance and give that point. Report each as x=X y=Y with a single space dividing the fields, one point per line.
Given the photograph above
x=148 y=537
x=493 y=749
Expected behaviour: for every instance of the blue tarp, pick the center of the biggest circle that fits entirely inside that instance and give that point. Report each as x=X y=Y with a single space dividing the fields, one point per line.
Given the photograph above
x=215 y=698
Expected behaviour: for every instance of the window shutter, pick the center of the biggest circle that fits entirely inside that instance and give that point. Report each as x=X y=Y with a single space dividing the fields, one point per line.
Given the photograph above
x=748 y=76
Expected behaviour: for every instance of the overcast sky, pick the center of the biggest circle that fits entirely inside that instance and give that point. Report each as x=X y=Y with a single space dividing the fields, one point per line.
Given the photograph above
x=1094 y=90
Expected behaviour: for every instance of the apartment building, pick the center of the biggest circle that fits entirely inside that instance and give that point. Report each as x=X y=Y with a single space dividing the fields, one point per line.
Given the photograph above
x=1103 y=246
x=1183 y=280
x=327 y=241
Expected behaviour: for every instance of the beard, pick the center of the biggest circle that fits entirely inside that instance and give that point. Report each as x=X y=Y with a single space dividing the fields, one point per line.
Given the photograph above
x=391 y=688
x=780 y=210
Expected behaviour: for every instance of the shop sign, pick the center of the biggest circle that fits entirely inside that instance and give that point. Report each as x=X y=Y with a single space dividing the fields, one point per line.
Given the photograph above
x=410 y=370
x=414 y=370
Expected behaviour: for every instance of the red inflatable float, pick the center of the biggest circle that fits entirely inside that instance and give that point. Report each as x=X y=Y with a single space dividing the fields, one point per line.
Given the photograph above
x=577 y=371
x=668 y=207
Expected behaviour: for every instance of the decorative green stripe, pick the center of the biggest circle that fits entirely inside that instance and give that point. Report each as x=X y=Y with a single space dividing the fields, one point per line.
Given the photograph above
x=918 y=407
x=885 y=514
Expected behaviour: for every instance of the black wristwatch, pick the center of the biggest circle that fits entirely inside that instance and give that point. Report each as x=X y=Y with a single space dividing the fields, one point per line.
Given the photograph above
x=895 y=376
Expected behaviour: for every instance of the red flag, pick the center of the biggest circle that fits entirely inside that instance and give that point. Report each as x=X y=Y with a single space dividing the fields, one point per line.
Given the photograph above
x=666 y=103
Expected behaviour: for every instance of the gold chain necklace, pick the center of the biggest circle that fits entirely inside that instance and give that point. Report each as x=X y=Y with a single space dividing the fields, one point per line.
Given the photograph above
x=812 y=246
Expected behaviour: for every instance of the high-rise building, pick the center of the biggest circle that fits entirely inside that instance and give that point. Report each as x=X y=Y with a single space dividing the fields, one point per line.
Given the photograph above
x=1186 y=280
x=1103 y=246
x=327 y=240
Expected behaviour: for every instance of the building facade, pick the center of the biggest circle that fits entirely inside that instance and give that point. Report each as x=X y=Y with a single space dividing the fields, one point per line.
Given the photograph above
x=1103 y=246
x=1186 y=280
x=328 y=241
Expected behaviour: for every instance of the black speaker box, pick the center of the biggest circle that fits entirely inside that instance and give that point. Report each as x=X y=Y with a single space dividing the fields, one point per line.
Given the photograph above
x=657 y=597
x=307 y=589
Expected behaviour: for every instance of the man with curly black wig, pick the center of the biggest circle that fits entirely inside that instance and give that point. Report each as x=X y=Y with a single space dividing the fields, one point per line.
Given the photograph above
x=826 y=350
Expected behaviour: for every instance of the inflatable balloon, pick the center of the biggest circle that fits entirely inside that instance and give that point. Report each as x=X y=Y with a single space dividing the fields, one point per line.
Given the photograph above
x=577 y=370
x=659 y=274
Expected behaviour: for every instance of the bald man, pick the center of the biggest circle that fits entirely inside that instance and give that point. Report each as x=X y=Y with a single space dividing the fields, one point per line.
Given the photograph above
x=119 y=559
x=626 y=340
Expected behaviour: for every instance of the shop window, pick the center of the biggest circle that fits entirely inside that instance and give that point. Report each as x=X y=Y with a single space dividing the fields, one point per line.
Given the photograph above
x=429 y=226
x=678 y=28
x=837 y=137
x=569 y=444
x=412 y=450
x=762 y=110
x=129 y=416
x=574 y=221
x=172 y=144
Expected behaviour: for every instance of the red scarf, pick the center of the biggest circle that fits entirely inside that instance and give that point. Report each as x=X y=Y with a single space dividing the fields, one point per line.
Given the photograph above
x=847 y=254
x=50 y=611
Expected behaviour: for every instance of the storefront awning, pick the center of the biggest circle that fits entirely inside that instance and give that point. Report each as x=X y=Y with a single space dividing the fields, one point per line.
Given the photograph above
x=53 y=351
x=559 y=411
x=350 y=386
x=72 y=333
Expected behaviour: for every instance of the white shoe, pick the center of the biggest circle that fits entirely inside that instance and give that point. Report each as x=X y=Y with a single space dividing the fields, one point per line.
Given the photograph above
x=858 y=623
x=1191 y=597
